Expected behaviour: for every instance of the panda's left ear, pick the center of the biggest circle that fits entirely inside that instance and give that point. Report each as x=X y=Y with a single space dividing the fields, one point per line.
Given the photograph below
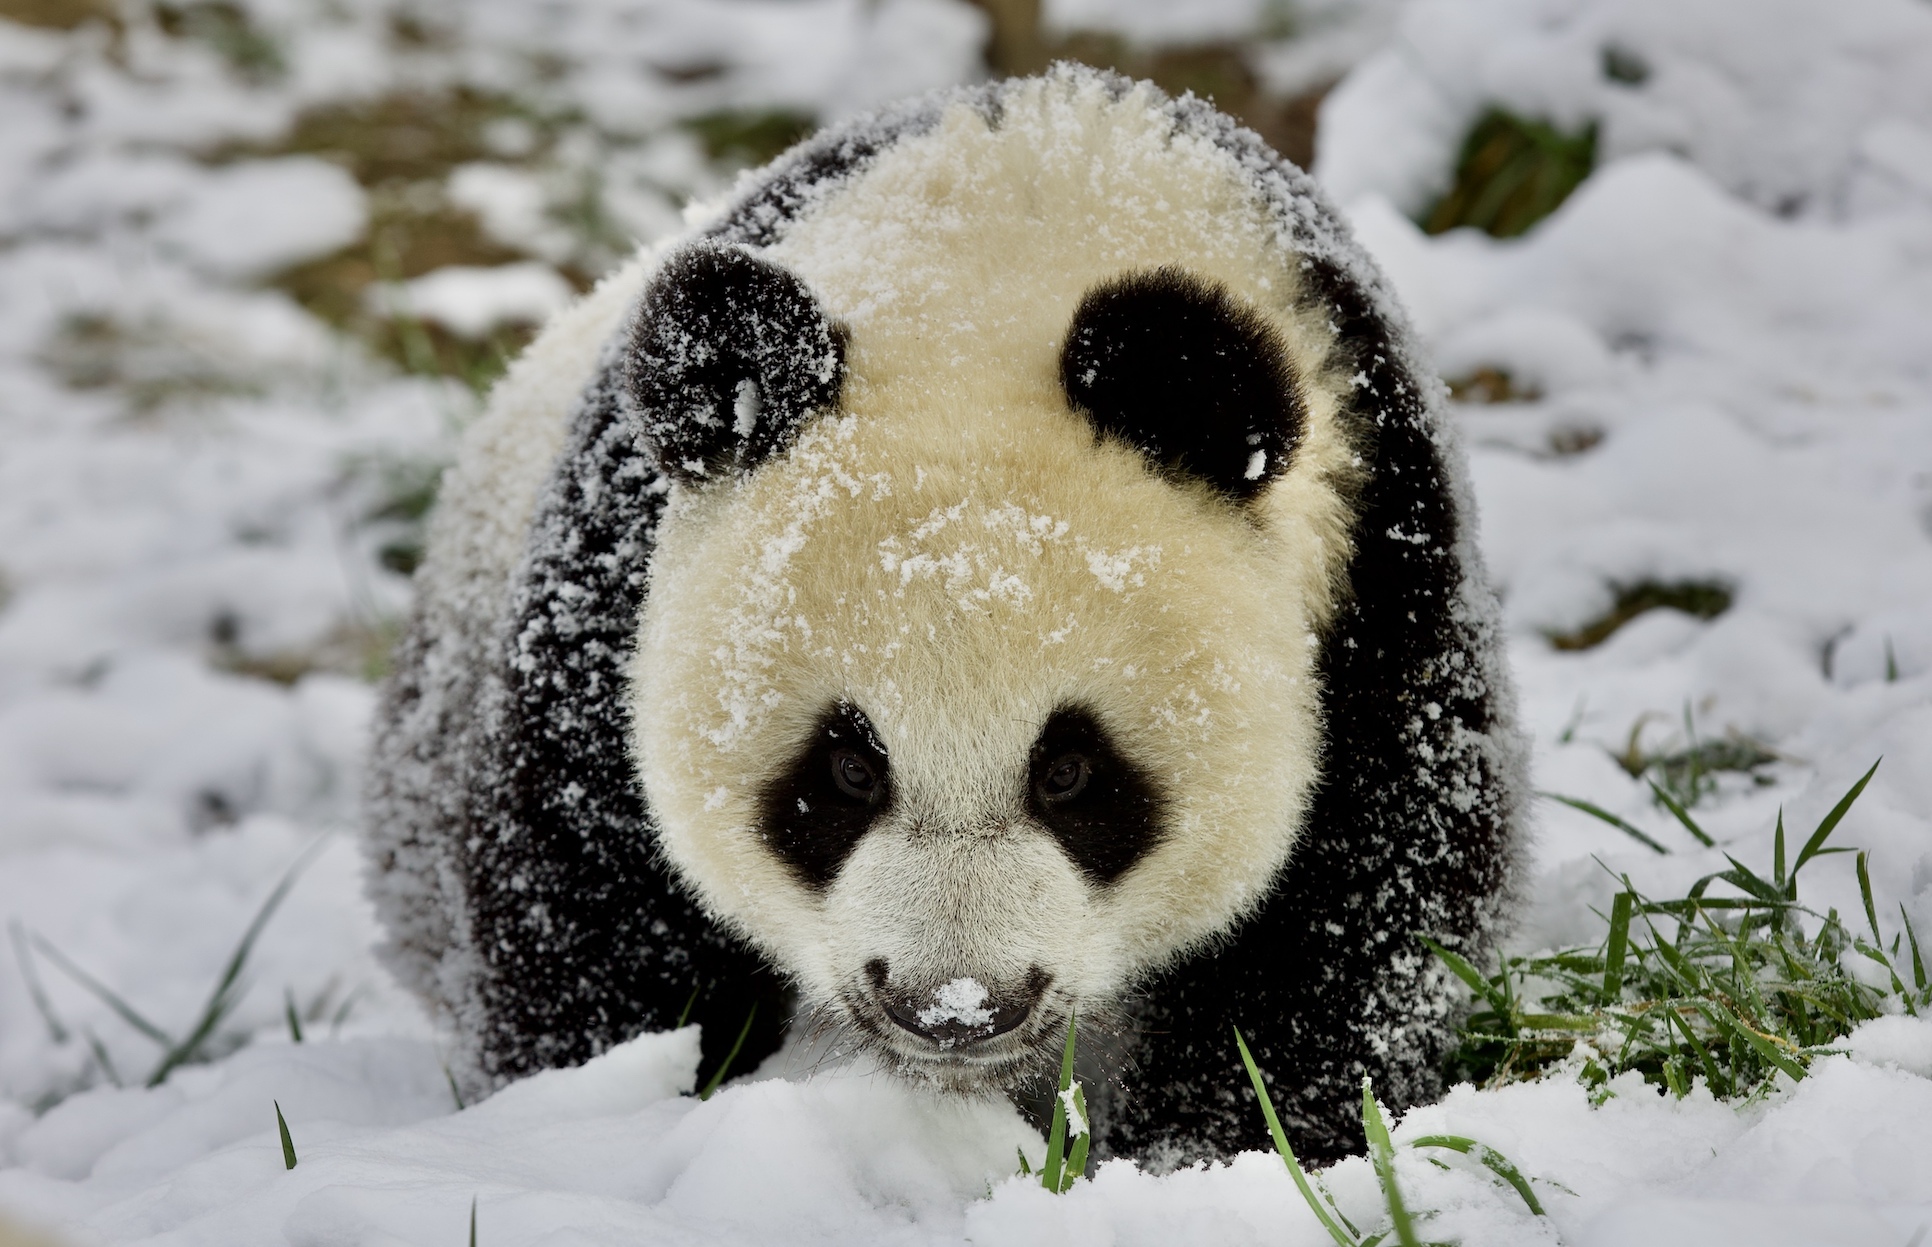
x=1180 y=369
x=729 y=355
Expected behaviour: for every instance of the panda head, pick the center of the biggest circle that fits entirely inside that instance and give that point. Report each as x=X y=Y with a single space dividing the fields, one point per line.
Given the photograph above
x=976 y=677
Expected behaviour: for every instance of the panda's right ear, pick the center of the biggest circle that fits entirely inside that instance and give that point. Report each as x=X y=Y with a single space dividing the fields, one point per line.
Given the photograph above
x=729 y=355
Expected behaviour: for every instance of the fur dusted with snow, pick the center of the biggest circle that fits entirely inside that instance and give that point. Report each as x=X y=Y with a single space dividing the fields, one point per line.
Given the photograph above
x=835 y=613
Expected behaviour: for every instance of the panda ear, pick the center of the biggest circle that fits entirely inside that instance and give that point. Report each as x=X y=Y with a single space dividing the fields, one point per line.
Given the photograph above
x=729 y=355
x=1196 y=380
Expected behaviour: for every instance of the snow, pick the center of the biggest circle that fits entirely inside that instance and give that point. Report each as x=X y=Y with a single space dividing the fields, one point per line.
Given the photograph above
x=1772 y=102
x=1736 y=304
x=473 y=301
x=962 y=1000
x=1076 y=1120
x=264 y=215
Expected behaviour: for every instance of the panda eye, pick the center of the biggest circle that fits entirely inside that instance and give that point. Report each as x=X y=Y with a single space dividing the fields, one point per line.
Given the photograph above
x=854 y=776
x=1065 y=779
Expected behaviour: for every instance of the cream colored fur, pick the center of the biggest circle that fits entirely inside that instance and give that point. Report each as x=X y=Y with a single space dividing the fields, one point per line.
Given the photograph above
x=953 y=553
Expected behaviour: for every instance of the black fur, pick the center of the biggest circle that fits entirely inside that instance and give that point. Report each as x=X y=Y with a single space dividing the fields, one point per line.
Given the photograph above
x=729 y=356
x=1110 y=816
x=1413 y=827
x=1321 y=976
x=1176 y=367
x=810 y=818
x=587 y=941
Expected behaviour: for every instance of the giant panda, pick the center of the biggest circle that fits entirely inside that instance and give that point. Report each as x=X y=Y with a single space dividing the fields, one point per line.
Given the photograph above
x=1005 y=563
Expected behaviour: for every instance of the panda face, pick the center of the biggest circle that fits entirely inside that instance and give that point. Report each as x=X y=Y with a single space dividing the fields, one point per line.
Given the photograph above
x=991 y=690
x=966 y=731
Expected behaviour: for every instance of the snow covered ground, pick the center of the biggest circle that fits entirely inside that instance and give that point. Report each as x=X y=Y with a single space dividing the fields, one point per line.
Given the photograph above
x=1721 y=348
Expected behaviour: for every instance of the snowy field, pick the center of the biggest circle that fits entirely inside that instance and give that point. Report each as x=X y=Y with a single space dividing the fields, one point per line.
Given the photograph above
x=215 y=430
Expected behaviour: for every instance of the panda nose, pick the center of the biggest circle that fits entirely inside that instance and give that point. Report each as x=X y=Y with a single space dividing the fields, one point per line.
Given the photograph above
x=960 y=1011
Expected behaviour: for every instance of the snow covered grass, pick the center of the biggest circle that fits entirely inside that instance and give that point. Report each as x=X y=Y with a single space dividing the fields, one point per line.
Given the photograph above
x=202 y=1040
x=1064 y=1164
x=1512 y=172
x=1381 y=1148
x=1732 y=988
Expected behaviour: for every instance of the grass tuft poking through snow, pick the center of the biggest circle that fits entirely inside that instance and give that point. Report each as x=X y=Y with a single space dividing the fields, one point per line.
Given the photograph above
x=203 y=1041
x=1064 y=1163
x=1730 y=989
x=1382 y=1151
x=1704 y=599
x=1513 y=172
x=288 y=1144
x=724 y=1067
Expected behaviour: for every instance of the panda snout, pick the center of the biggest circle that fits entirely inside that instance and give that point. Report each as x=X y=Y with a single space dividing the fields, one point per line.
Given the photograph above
x=961 y=1011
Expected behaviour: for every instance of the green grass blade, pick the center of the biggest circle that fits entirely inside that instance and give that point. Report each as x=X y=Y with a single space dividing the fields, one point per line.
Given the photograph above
x=1688 y=972
x=101 y=1057
x=1873 y=953
x=718 y=1075
x=455 y=1093
x=684 y=1014
x=472 y=1221
x=1026 y=1170
x=1683 y=816
x=228 y=991
x=1830 y=823
x=1720 y=1086
x=1287 y=1154
x=1382 y=1153
x=1488 y=1156
x=1918 y=962
x=1726 y=1020
x=1077 y=1158
x=1472 y=976
x=1865 y=892
x=1745 y=879
x=1617 y=948
x=288 y=1144
x=23 y=956
x=1559 y=1021
x=1686 y=909
x=294 y=1019
x=1674 y=1079
x=102 y=991
x=1052 y=1170
x=1598 y=812
x=347 y=1006
x=1789 y=887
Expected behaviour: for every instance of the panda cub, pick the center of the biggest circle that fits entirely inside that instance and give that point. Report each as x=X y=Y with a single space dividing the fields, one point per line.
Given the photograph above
x=1006 y=563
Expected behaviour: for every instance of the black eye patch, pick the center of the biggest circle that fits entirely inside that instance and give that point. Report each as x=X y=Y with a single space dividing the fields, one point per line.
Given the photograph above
x=837 y=786
x=1105 y=811
x=1180 y=369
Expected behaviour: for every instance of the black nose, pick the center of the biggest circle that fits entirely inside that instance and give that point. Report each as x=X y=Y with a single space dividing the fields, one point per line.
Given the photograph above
x=960 y=1011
